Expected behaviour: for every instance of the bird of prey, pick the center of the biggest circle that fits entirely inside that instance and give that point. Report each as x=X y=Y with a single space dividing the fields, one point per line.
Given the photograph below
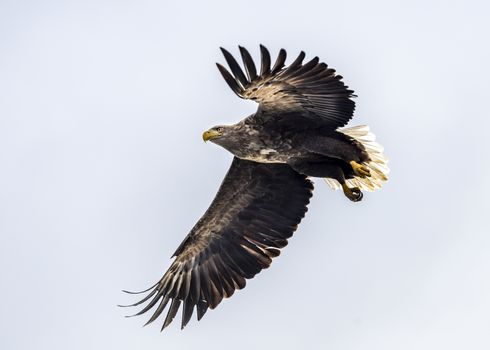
x=294 y=135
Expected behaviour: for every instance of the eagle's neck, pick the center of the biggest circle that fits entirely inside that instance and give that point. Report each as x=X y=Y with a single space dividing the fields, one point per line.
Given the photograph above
x=250 y=142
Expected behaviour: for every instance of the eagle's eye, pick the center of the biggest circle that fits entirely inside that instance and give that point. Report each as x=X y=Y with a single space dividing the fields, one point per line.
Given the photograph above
x=219 y=129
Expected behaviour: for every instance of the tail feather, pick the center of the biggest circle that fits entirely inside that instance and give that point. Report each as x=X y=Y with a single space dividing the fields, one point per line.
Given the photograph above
x=378 y=163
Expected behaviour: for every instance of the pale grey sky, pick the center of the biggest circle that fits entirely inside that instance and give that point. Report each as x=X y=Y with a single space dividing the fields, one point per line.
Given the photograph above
x=103 y=172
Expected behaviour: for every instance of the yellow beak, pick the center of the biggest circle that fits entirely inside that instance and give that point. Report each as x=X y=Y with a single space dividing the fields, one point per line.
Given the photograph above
x=210 y=134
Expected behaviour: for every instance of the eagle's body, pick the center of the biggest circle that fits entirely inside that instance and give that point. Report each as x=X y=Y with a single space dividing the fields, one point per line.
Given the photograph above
x=261 y=143
x=295 y=134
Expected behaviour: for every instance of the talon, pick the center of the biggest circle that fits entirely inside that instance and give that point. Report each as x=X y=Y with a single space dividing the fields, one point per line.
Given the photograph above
x=360 y=170
x=354 y=194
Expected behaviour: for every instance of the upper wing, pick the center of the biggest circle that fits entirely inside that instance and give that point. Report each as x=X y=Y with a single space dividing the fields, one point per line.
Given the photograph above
x=255 y=211
x=310 y=90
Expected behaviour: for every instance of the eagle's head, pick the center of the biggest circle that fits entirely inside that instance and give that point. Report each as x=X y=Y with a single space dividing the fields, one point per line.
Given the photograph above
x=215 y=133
x=230 y=137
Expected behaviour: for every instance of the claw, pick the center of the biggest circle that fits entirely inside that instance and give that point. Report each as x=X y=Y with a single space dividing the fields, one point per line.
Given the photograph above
x=360 y=170
x=354 y=193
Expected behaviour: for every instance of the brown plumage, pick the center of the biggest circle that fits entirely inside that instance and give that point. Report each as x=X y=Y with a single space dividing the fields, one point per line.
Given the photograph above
x=265 y=193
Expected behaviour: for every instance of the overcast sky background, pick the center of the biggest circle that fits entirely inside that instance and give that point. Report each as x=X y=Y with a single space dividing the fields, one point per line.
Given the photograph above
x=103 y=172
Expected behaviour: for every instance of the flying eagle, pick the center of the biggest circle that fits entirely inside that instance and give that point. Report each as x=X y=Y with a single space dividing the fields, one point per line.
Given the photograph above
x=295 y=134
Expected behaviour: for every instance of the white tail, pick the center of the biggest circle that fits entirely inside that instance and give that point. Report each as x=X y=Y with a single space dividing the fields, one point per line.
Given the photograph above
x=377 y=164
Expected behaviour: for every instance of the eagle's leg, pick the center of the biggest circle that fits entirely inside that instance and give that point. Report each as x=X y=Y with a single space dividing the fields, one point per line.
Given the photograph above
x=335 y=172
x=359 y=169
x=326 y=169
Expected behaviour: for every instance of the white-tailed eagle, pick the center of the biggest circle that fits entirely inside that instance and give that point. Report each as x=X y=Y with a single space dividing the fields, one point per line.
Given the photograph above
x=295 y=134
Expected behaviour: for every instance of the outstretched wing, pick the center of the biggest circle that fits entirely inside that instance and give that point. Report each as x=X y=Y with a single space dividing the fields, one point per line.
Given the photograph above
x=309 y=90
x=255 y=211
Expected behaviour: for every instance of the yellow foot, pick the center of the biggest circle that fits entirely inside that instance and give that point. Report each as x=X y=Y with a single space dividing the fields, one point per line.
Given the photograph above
x=354 y=194
x=359 y=169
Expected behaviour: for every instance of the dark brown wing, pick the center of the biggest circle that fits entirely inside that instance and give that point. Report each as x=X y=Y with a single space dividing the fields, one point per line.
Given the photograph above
x=255 y=211
x=309 y=90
